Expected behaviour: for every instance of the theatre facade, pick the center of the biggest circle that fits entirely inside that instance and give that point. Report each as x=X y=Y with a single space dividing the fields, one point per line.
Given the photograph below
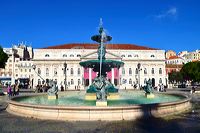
x=140 y=64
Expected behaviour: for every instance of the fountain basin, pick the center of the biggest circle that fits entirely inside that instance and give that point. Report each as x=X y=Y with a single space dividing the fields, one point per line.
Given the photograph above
x=92 y=113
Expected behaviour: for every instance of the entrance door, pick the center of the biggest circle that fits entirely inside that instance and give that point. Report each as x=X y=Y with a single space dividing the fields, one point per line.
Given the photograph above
x=86 y=82
x=153 y=82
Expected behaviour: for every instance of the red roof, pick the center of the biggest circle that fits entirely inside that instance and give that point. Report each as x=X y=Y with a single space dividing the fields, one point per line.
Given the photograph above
x=95 y=46
x=174 y=57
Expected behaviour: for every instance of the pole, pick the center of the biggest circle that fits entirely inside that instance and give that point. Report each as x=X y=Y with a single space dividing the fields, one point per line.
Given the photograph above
x=65 y=70
x=138 y=66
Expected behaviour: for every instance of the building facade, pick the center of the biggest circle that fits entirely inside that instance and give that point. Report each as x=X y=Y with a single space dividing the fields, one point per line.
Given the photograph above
x=18 y=66
x=49 y=65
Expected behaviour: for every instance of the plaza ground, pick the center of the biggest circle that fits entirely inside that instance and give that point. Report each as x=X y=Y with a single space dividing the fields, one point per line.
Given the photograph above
x=188 y=122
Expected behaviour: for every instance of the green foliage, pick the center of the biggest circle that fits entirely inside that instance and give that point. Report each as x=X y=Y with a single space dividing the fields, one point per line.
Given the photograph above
x=3 y=58
x=175 y=77
x=191 y=71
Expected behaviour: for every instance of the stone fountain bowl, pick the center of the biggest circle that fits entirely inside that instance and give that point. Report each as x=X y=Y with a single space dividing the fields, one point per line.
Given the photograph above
x=106 y=64
x=93 y=113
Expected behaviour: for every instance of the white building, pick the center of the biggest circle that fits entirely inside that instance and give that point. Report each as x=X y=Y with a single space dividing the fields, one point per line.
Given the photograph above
x=18 y=66
x=175 y=60
x=50 y=61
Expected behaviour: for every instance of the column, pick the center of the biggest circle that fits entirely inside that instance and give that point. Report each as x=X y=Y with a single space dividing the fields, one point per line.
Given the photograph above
x=12 y=75
x=90 y=76
x=113 y=77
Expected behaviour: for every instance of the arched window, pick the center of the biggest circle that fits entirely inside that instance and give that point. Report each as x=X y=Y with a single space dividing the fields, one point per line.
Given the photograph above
x=39 y=71
x=64 y=55
x=47 y=71
x=130 y=71
x=145 y=70
x=136 y=55
x=39 y=82
x=55 y=72
x=46 y=55
x=122 y=55
x=78 y=55
x=152 y=55
x=71 y=71
x=152 y=71
x=129 y=55
x=79 y=81
x=79 y=71
x=72 y=81
x=130 y=81
x=160 y=70
x=160 y=81
x=123 y=71
x=136 y=71
x=71 y=55
x=145 y=80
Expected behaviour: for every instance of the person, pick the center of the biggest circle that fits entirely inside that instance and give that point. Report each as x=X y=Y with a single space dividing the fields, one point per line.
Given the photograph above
x=62 y=88
x=193 y=89
x=14 y=92
x=17 y=89
x=9 y=91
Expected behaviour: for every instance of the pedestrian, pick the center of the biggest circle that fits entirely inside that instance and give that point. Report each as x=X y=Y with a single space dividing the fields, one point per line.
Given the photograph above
x=193 y=90
x=14 y=92
x=62 y=88
x=9 y=91
x=17 y=89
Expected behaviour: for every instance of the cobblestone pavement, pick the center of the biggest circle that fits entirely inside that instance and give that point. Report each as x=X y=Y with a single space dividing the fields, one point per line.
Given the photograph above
x=188 y=122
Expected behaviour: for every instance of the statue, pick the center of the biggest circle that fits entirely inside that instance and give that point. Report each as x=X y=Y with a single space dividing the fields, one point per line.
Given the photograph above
x=148 y=88
x=54 y=88
x=100 y=85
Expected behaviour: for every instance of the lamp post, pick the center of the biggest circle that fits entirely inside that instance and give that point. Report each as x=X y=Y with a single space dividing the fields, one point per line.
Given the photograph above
x=139 y=69
x=65 y=72
x=34 y=67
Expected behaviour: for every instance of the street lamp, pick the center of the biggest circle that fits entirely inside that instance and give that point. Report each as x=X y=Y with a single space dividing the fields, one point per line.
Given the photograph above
x=65 y=72
x=34 y=67
x=139 y=69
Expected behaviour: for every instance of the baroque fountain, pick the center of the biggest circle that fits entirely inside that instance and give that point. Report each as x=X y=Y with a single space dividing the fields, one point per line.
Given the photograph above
x=101 y=88
x=102 y=100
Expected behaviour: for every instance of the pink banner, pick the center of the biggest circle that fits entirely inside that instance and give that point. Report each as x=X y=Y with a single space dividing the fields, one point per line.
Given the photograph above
x=94 y=75
x=116 y=73
x=109 y=75
x=86 y=73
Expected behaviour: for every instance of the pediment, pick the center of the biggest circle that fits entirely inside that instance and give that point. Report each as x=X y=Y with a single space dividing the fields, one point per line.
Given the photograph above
x=94 y=55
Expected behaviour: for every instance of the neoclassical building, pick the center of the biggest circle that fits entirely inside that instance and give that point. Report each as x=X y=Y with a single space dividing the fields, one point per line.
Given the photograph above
x=140 y=64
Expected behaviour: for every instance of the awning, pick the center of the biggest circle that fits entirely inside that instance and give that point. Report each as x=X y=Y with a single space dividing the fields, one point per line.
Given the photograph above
x=5 y=78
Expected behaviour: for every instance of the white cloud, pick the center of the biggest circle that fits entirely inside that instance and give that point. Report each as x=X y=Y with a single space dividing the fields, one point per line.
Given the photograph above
x=172 y=12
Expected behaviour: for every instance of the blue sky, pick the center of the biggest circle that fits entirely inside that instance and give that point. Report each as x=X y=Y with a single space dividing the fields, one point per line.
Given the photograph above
x=163 y=24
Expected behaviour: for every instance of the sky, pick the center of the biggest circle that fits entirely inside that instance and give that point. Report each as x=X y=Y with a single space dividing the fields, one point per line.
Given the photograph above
x=162 y=24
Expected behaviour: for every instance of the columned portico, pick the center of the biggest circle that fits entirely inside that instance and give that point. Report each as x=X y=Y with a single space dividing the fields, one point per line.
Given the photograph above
x=90 y=76
x=113 y=77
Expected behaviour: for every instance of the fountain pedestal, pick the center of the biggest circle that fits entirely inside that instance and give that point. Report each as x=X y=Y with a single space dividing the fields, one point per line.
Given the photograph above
x=51 y=97
x=147 y=95
x=110 y=96
x=90 y=96
x=101 y=103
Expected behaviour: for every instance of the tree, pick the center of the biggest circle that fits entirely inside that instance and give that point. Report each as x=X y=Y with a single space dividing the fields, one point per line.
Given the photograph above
x=191 y=71
x=175 y=77
x=3 y=58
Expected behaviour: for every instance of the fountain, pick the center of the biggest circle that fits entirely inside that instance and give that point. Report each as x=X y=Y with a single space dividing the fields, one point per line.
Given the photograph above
x=101 y=101
x=101 y=88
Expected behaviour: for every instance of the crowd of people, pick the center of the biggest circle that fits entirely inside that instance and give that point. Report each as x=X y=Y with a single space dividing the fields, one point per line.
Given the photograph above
x=13 y=90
